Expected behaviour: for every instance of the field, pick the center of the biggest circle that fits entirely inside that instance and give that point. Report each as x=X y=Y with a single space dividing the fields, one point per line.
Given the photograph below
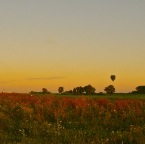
x=49 y=119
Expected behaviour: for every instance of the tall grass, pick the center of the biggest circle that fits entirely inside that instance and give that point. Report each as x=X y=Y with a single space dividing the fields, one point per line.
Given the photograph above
x=39 y=120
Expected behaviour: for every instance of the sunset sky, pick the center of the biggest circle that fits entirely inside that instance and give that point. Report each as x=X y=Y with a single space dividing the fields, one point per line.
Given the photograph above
x=52 y=43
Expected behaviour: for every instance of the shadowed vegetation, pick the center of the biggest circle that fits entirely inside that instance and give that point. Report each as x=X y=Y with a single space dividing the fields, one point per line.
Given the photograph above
x=80 y=120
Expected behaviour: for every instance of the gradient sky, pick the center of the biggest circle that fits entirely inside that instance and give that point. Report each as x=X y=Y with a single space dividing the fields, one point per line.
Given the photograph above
x=52 y=43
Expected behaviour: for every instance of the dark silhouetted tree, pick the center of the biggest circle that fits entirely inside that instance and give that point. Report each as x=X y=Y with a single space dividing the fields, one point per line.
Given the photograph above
x=74 y=91
x=140 y=89
x=44 y=91
x=110 y=89
x=79 y=90
x=60 y=90
x=89 y=90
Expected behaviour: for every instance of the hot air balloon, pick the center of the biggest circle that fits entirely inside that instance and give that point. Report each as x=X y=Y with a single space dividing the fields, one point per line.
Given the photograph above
x=112 y=77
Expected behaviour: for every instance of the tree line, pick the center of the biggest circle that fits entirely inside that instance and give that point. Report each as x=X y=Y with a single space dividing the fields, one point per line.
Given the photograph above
x=139 y=90
x=86 y=90
x=89 y=90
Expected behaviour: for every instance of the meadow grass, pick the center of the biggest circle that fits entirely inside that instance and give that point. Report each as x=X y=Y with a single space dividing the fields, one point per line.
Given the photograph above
x=108 y=96
x=49 y=119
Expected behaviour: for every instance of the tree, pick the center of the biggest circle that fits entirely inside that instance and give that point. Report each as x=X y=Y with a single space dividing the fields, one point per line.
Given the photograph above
x=74 y=91
x=79 y=90
x=110 y=89
x=89 y=90
x=60 y=90
x=140 y=89
x=44 y=91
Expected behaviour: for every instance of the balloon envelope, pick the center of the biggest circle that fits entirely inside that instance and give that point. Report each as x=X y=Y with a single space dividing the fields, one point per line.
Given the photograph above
x=112 y=77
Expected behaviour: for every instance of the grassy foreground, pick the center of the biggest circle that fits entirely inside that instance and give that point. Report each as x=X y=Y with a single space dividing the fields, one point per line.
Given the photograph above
x=66 y=120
